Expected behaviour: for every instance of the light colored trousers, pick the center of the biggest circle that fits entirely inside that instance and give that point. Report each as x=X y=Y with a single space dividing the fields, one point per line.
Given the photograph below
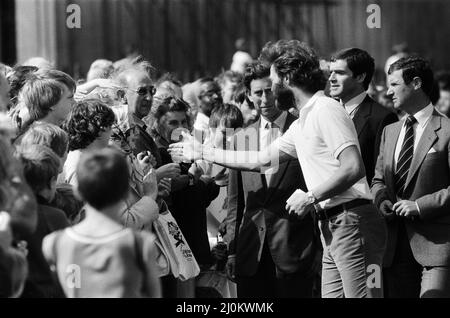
x=353 y=243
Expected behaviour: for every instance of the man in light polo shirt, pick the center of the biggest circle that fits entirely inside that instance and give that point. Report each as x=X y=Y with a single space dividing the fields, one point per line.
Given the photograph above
x=325 y=142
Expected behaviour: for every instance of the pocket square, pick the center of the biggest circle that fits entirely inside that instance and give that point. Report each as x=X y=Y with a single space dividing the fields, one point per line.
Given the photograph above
x=432 y=150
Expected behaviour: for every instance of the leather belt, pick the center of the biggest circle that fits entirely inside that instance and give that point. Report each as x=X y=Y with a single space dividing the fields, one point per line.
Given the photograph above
x=329 y=213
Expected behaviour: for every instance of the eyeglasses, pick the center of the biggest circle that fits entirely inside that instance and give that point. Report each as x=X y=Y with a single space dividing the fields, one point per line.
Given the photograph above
x=144 y=90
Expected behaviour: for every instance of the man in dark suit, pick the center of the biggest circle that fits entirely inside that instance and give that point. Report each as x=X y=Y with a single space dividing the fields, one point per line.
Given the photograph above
x=351 y=71
x=271 y=252
x=411 y=187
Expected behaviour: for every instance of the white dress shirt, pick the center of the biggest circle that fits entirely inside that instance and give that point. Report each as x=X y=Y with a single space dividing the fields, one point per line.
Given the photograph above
x=422 y=117
x=270 y=131
x=352 y=105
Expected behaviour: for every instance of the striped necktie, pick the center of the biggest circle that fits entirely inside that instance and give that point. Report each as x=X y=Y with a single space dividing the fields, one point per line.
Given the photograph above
x=405 y=157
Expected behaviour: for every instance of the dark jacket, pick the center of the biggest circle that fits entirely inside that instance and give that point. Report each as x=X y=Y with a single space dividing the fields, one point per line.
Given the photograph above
x=370 y=120
x=258 y=212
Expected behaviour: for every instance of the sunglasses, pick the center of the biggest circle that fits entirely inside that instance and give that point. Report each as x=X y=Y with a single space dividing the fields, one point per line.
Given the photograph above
x=144 y=90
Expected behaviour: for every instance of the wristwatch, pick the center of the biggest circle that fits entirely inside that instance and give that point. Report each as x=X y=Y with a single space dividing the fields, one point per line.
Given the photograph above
x=312 y=199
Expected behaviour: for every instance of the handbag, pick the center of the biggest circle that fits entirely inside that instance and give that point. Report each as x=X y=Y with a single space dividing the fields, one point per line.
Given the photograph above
x=183 y=264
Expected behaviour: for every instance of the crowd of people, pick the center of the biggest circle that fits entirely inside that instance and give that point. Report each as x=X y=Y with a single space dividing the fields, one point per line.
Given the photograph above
x=288 y=176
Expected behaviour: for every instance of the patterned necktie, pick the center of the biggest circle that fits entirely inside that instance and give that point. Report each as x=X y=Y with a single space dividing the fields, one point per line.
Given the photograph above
x=405 y=157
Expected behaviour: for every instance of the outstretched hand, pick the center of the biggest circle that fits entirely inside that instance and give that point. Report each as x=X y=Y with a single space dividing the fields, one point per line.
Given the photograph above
x=187 y=150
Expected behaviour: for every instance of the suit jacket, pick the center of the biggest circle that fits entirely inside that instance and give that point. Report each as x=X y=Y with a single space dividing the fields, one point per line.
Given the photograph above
x=258 y=211
x=428 y=183
x=370 y=120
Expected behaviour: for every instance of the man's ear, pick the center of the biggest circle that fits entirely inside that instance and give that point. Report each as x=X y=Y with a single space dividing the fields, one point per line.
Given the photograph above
x=248 y=96
x=287 y=79
x=417 y=83
x=360 y=78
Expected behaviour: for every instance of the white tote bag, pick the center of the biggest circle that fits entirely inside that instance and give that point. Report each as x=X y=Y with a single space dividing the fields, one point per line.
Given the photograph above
x=182 y=261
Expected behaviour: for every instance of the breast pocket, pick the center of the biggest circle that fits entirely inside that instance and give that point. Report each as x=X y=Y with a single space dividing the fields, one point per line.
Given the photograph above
x=435 y=156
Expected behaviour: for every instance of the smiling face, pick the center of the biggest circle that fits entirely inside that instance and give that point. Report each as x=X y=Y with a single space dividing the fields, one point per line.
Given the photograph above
x=400 y=92
x=263 y=98
x=342 y=82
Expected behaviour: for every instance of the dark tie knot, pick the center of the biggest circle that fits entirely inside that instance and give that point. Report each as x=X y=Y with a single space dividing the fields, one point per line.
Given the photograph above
x=270 y=125
x=411 y=120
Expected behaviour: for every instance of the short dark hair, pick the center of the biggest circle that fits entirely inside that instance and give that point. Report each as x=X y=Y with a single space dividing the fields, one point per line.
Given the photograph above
x=48 y=135
x=86 y=121
x=171 y=104
x=255 y=70
x=415 y=66
x=103 y=177
x=230 y=116
x=301 y=66
x=358 y=61
x=40 y=166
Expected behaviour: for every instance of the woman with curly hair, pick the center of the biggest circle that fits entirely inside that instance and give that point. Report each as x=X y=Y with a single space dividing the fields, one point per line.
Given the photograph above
x=89 y=126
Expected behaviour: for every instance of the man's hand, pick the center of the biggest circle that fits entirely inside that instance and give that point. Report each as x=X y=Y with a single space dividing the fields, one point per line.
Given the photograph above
x=299 y=203
x=150 y=184
x=164 y=187
x=231 y=268
x=195 y=171
x=145 y=161
x=387 y=210
x=219 y=253
x=407 y=209
x=170 y=170
x=186 y=151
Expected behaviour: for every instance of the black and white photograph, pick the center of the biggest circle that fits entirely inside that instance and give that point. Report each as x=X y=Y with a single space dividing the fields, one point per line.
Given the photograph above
x=225 y=155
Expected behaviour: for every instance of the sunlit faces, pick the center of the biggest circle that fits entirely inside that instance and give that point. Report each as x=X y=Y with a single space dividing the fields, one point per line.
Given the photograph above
x=139 y=105
x=171 y=121
x=263 y=99
x=398 y=90
x=342 y=82
x=210 y=96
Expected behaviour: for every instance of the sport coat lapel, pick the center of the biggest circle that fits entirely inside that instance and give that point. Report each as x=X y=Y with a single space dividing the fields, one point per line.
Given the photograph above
x=362 y=115
x=279 y=175
x=390 y=144
x=427 y=140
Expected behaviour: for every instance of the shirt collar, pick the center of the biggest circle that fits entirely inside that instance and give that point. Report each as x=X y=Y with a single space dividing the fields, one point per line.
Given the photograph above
x=354 y=102
x=423 y=116
x=279 y=122
x=313 y=99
